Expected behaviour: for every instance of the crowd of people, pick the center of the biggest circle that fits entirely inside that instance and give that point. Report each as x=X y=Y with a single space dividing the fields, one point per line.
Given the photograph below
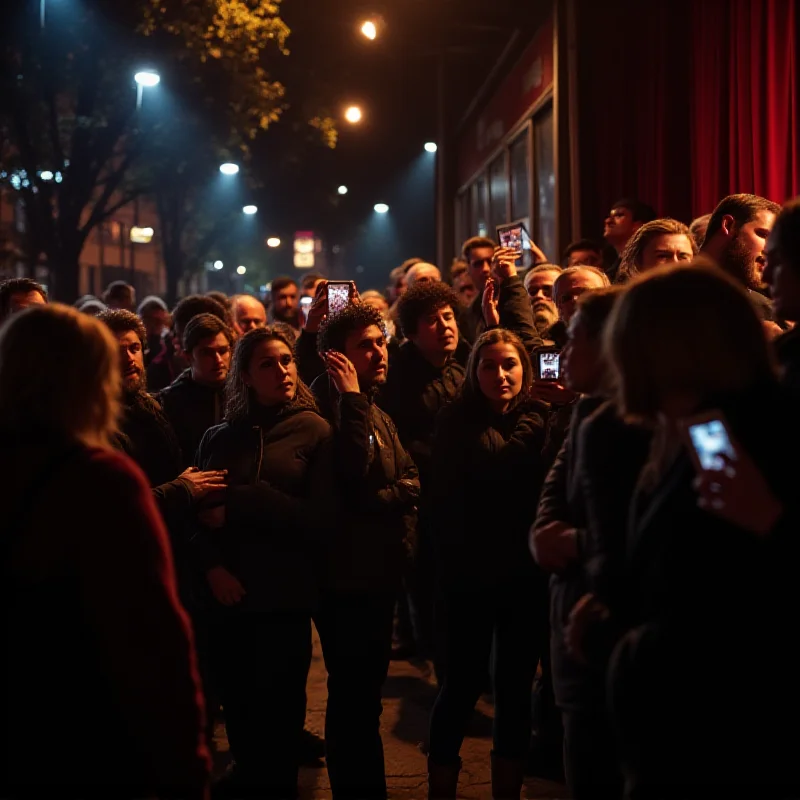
x=578 y=473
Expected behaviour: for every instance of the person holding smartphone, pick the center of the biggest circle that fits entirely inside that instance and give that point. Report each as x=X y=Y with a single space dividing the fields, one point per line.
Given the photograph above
x=707 y=596
x=486 y=473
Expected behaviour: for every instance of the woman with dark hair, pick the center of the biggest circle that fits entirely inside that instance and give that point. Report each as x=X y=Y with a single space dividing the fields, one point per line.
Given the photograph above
x=709 y=574
x=486 y=475
x=259 y=552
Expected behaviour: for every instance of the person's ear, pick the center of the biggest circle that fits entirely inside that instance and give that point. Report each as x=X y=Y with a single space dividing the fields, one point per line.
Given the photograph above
x=729 y=225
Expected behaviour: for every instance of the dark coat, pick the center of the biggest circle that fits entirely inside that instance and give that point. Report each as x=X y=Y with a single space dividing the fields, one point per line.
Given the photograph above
x=379 y=486
x=787 y=349
x=277 y=505
x=514 y=307
x=100 y=694
x=191 y=409
x=487 y=472
x=708 y=603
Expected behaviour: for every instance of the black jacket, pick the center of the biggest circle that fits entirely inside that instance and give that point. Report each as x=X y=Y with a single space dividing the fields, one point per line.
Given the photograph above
x=191 y=409
x=514 y=307
x=487 y=472
x=277 y=505
x=787 y=349
x=379 y=487
x=704 y=594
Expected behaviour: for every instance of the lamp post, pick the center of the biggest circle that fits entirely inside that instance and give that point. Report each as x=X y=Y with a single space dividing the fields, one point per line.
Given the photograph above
x=145 y=79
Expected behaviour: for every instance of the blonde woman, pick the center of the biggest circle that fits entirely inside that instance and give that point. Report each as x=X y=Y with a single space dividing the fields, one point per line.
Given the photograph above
x=100 y=693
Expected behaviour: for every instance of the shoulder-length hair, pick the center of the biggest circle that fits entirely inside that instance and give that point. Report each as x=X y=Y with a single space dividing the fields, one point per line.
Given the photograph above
x=686 y=328
x=471 y=393
x=239 y=397
x=632 y=254
x=59 y=373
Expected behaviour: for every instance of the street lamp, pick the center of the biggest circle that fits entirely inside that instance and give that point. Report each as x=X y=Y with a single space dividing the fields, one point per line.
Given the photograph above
x=273 y=241
x=145 y=79
x=353 y=115
x=228 y=168
x=250 y=210
x=342 y=190
x=431 y=147
x=218 y=265
x=381 y=208
x=370 y=29
x=47 y=175
x=241 y=270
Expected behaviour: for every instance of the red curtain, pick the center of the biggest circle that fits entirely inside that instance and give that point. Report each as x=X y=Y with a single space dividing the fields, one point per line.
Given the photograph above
x=744 y=100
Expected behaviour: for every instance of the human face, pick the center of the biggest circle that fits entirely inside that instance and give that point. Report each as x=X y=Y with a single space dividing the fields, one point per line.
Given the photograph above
x=423 y=273
x=500 y=374
x=437 y=335
x=210 y=360
x=22 y=300
x=156 y=322
x=465 y=288
x=666 y=248
x=585 y=258
x=131 y=362
x=581 y=358
x=284 y=304
x=480 y=266
x=783 y=279
x=311 y=291
x=540 y=293
x=250 y=314
x=745 y=256
x=272 y=373
x=619 y=227
x=366 y=349
x=570 y=287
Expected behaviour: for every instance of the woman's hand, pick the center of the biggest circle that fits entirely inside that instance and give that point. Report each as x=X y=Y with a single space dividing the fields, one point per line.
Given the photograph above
x=555 y=546
x=491 y=316
x=739 y=494
x=225 y=586
x=203 y=483
x=505 y=263
x=587 y=611
x=319 y=308
x=342 y=372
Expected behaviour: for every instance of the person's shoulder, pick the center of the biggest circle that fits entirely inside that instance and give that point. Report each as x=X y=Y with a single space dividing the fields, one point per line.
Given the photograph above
x=112 y=471
x=311 y=422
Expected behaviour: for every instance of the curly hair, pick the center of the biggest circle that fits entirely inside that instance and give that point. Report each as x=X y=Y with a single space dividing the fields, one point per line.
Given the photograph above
x=121 y=321
x=334 y=331
x=193 y=305
x=421 y=300
x=239 y=397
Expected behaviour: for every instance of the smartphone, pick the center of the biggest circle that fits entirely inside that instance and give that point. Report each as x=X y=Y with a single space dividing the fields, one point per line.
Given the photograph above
x=547 y=363
x=709 y=438
x=514 y=235
x=339 y=295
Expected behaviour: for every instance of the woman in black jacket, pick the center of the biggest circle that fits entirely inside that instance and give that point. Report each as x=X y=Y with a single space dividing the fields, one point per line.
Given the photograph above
x=259 y=551
x=487 y=471
x=709 y=588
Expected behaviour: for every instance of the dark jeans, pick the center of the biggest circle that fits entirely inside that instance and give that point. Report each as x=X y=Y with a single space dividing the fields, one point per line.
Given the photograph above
x=591 y=762
x=261 y=662
x=513 y=618
x=355 y=630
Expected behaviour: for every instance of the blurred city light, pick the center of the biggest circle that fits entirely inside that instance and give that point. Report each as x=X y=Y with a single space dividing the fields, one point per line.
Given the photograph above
x=431 y=147
x=229 y=168
x=141 y=235
x=370 y=29
x=249 y=210
x=342 y=190
x=147 y=78
x=353 y=115
x=47 y=175
x=273 y=241
x=218 y=265
x=241 y=270
x=381 y=208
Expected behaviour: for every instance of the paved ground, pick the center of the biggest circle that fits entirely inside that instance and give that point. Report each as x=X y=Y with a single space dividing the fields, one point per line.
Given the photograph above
x=408 y=696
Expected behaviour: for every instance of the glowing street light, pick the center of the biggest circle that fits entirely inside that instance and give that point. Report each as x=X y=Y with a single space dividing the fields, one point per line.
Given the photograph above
x=250 y=210
x=370 y=29
x=273 y=241
x=431 y=147
x=381 y=208
x=342 y=190
x=47 y=175
x=241 y=270
x=218 y=265
x=353 y=115
x=228 y=168
x=145 y=79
